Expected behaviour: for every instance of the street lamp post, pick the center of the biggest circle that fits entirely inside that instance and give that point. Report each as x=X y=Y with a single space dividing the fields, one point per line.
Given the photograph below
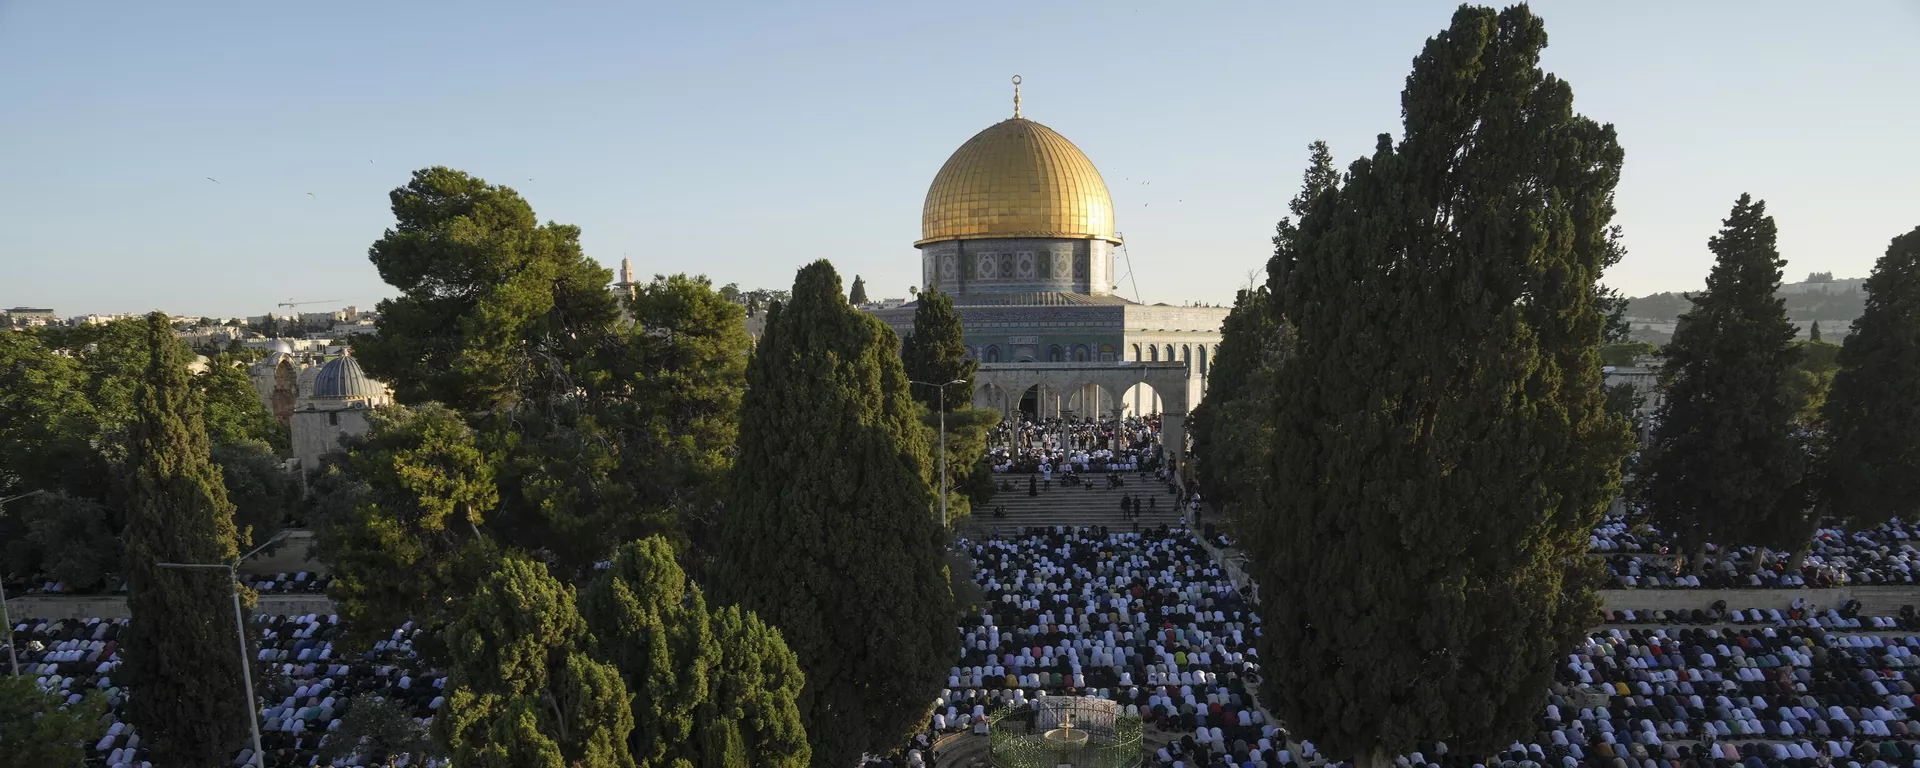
x=240 y=630
x=943 y=442
x=5 y=617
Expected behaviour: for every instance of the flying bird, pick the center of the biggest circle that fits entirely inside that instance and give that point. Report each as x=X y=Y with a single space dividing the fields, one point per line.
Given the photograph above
x=310 y=194
x=212 y=179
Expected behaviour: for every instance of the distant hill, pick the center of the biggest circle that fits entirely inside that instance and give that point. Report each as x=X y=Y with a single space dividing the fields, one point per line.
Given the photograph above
x=1820 y=298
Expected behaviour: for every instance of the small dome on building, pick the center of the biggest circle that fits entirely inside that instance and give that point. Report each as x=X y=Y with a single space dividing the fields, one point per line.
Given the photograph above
x=280 y=345
x=342 y=379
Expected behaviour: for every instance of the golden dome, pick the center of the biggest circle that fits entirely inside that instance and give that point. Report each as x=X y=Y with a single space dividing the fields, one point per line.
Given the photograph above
x=1017 y=178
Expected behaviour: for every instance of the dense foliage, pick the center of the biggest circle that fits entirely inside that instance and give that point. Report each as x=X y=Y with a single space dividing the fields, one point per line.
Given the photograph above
x=934 y=354
x=66 y=407
x=185 y=691
x=547 y=417
x=1232 y=428
x=1440 y=448
x=522 y=690
x=1873 y=416
x=39 y=729
x=829 y=534
x=494 y=307
x=1728 y=461
x=709 y=688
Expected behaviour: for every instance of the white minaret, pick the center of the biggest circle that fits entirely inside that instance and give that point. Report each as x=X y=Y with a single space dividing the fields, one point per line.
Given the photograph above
x=624 y=286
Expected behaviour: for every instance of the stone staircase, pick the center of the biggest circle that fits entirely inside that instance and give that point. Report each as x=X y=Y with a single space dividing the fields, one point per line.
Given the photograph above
x=1074 y=505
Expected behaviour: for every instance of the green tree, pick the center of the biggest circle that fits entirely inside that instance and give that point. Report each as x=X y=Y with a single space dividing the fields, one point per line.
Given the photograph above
x=263 y=494
x=379 y=732
x=1440 y=449
x=1873 y=472
x=1813 y=331
x=413 y=542
x=186 y=693
x=829 y=544
x=1247 y=334
x=494 y=307
x=41 y=730
x=1726 y=461
x=934 y=353
x=674 y=397
x=522 y=691
x=46 y=421
x=701 y=681
x=235 y=413
x=69 y=538
x=1623 y=353
x=858 y=295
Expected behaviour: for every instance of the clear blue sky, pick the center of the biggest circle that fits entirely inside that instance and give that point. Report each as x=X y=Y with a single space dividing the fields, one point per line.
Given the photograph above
x=742 y=142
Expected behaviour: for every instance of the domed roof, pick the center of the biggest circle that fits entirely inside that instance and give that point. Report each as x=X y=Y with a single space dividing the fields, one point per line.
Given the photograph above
x=280 y=345
x=342 y=379
x=1017 y=178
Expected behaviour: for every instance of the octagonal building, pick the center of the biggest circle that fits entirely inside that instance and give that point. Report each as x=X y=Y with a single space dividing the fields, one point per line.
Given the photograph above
x=1019 y=228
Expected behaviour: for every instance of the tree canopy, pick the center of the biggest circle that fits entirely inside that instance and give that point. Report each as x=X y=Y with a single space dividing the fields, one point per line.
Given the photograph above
x=39 y=729
x=67 y=402
x=186 y=693
x=1873 y=471
x=522 y=691
x=1440 y=448
x=1727 y=459
x=858 y=295
x=494 y=307
x=710 y=689
x=934 y=354
x=829 y=534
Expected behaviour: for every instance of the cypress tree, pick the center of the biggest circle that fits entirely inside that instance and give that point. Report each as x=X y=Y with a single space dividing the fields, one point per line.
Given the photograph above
x=935 y=352
x=701 y=682
x=1246 y=333
x=1440 y=446
x=185 y=690
x=1726 y=460
x=858 y=295
x=830 y=534
x=1873 y=418
x=1813 y=331
x=522 y=692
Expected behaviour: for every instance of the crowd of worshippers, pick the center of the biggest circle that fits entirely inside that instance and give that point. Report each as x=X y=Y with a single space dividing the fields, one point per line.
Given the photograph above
x=1064 y=445
x=1641 y=557
x=301 y=583
x=1147 y=620
x=309 y=684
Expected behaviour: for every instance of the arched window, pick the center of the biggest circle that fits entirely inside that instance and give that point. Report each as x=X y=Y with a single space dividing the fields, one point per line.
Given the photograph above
x=993 y=353
x=1136 y=353
x=1170 y=356
x=1203 y=360
x=1106 y=353
x=1186 y=355
x=1079 y=353
x=1153 y=353
x=1054 y=355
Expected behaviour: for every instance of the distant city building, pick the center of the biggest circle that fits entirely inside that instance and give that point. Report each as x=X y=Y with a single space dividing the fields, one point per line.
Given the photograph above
x=25 y=314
